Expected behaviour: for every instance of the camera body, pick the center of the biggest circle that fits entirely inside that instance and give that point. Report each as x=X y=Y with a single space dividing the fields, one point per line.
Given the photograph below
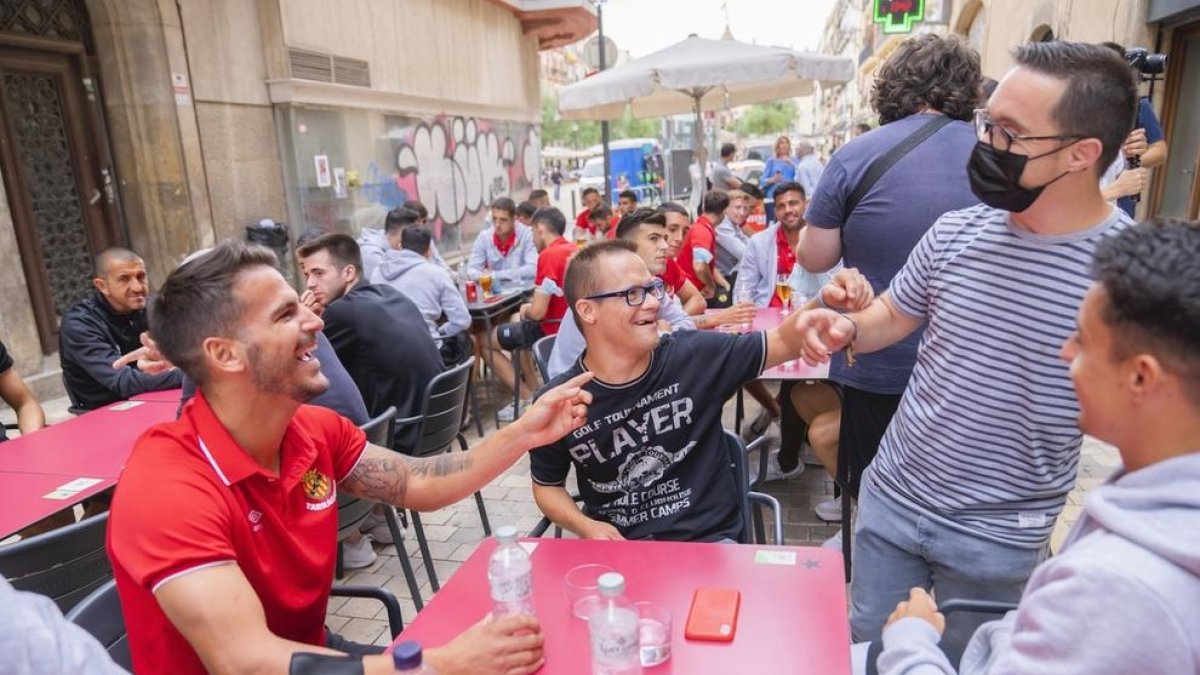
x=1148 y=64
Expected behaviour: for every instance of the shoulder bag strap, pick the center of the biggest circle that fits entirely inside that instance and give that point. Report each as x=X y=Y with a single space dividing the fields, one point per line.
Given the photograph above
x=884 y=162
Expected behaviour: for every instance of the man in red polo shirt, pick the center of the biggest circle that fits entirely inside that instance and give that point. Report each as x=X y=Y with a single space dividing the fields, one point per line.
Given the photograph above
x=698 y=254
x=223 y=526
x=590 y=197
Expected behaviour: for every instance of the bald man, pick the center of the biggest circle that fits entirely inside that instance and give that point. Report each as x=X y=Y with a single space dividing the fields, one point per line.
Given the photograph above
x=100 y=328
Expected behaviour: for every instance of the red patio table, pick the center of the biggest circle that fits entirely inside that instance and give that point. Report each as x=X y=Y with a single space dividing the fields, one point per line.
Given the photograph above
x=792 y=619
x=24 y=501
x=95 y=444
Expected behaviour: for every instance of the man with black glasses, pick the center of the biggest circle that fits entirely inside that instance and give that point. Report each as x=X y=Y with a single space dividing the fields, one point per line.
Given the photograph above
x=650 y=461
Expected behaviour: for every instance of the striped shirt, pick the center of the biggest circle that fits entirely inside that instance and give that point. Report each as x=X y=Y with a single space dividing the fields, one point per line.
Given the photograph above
x=985 y=439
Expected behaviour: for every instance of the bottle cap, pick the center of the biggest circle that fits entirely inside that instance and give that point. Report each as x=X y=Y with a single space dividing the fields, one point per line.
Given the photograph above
x=611 y=584
x=407 y=655
x=506 y=534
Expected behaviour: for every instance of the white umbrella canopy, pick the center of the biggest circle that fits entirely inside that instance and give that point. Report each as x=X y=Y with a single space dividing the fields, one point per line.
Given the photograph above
x=716 y=74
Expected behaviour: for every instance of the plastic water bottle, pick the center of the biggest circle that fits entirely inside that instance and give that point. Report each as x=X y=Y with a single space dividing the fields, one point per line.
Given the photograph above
x=510 y=575
x=407 y=659
x=613 y=629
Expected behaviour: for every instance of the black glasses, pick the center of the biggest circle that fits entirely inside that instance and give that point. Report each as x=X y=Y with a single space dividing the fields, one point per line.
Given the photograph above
x=1002 y=139
x=635 y=296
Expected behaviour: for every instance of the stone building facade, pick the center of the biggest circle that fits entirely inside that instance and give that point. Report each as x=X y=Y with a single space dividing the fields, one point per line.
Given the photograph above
x=169 y=125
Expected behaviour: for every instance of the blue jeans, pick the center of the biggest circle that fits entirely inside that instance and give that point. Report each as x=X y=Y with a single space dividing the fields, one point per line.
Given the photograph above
x=896 y=548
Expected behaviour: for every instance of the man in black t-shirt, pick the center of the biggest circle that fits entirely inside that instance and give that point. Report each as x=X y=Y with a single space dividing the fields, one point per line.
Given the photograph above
x=379 y=334
x=651 y=461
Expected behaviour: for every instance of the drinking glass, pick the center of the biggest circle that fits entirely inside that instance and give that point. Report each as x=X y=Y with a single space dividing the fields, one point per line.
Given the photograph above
x=485 y=282
x=744 y=295
x=783 y=289
x=583 y=592
x=654 y=632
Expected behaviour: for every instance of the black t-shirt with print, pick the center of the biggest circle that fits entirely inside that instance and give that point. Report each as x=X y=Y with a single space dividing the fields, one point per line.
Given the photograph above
x=651 y=459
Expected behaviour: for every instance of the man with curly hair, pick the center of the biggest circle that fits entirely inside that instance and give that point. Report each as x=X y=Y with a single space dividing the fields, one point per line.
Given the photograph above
x=928 y=80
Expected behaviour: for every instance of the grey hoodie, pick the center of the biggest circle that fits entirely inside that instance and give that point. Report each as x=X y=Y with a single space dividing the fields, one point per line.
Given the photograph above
x=428 y=286
x=1121 y=597
x=373 y=243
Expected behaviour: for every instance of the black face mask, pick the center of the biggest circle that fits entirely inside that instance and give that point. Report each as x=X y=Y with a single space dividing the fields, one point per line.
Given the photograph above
x=995 y=177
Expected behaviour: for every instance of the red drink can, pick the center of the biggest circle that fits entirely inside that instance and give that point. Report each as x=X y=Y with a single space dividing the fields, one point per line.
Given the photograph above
x=472 y=292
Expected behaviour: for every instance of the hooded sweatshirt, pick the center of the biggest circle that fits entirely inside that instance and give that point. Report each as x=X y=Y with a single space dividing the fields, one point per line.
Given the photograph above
x=429 y=287
x=373 y=243
x=1121 y=597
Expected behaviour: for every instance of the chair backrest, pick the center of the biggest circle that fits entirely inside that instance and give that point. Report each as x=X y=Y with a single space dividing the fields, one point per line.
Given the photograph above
x=443 y=410
x=737 y=464
x=65 y=564
x=352 y=511
x=541 y=355
x=100 y=614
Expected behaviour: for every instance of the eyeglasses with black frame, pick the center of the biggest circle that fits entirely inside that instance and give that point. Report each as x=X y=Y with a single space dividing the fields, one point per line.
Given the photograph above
x=635 y=296
x=1002 y=139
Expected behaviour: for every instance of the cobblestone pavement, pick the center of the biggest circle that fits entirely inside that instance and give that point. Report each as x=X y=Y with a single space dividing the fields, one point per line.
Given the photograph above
x=455 y=531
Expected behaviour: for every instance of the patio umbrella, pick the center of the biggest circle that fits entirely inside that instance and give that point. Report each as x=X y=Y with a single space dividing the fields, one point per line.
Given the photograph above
x=697 y=75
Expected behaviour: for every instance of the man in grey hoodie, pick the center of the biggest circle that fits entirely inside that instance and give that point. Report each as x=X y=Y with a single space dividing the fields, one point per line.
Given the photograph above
x=411 y=271
x=373 y=241
x=1123 y=594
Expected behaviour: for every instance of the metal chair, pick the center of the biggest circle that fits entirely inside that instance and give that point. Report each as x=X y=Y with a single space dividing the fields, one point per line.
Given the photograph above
x=753 y=528
x=64 y=564
x=100 y=614
x=352 y=511
x=946 y=608
x=438 y=425
x=541 y=356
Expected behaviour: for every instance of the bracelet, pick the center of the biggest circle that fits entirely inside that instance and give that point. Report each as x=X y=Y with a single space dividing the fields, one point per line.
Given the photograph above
x=853 y=338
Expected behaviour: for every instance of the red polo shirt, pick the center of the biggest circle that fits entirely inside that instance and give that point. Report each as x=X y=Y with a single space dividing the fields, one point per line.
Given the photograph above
x=700 y=236
x=673 y=276
x=191 y=498
x=551 y=271
x=582 y=222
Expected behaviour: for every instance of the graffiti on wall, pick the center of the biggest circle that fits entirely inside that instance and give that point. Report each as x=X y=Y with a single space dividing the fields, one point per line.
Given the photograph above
x=456 y=167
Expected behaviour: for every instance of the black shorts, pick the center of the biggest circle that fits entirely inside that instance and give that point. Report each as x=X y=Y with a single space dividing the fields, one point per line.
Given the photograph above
x=865 y=418
x=519 y=335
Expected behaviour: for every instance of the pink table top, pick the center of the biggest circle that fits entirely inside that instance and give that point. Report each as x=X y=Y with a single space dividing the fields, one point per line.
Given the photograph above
x=792 y=618
x=23 y=499
x=95 y=444
x=767 y=319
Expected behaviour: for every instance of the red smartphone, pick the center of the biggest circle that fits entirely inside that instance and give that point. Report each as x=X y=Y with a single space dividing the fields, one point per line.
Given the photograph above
x=713 y=615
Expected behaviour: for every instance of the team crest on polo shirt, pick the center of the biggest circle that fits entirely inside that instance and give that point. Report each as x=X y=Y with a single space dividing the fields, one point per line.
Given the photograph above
x=318 y=487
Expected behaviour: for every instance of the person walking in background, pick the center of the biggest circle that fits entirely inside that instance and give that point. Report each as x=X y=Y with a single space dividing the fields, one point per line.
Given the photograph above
x=779 y=169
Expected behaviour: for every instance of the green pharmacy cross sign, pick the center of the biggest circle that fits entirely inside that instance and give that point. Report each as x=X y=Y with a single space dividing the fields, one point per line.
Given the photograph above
x=897 y=16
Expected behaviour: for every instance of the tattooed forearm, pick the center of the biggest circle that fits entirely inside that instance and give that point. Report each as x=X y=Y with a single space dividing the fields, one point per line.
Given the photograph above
x=383 y=475
x=383 y=479
x=440 y=465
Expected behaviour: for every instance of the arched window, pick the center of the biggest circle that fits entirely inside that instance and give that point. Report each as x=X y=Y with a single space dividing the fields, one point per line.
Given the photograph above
x=1042 y=33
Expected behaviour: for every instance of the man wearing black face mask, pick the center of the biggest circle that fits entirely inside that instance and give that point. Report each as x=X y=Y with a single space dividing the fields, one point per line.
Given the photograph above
x=976 y=465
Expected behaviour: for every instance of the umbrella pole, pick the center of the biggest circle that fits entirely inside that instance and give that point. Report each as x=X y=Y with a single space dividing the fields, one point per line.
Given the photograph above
x=698 y=134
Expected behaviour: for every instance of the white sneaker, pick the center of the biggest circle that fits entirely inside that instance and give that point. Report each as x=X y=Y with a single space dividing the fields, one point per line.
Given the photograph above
x=358 y=556
x=507 y=413
x=829 y=511
x=774 y=472
x=758 y=426
x=376 y=526
x=834 y=542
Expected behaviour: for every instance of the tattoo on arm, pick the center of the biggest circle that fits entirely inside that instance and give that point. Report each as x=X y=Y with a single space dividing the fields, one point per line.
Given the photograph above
x=383 y=475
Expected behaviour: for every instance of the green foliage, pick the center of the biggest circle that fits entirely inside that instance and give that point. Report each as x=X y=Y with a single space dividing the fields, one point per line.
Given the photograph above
x=557 y=132
x=766 y=119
